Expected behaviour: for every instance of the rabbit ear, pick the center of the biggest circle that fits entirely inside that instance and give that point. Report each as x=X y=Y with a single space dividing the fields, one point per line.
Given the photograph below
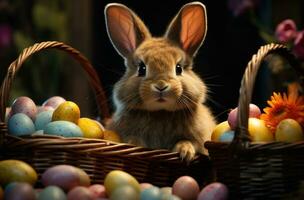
x=188 y=28
x=125 y=29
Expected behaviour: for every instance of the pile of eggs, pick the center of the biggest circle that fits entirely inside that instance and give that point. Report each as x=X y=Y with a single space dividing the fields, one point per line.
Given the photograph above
x=288 y=130
x=55 y=116
x=63 y=182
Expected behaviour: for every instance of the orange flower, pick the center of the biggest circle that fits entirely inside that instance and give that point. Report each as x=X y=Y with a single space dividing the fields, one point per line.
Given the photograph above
x=283 y=106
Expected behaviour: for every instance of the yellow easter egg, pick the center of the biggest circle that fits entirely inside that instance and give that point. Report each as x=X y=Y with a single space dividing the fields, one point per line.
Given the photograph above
x=16 y=171
x=67 y=111
x=90 y=128
x=258 y=131
x=219 y=130
x=111 y=135
x=289 y=130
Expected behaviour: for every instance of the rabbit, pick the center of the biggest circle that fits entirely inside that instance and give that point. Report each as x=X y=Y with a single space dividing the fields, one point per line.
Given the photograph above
x=159 y=99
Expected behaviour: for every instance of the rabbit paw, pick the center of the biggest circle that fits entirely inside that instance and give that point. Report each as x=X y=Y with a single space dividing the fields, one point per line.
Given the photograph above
x=185 y=149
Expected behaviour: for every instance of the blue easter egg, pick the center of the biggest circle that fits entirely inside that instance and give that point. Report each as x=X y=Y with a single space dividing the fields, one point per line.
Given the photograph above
x=20 y=124
x=152 y=193
x=63 y=128
x=227 y=136
x=42 y=119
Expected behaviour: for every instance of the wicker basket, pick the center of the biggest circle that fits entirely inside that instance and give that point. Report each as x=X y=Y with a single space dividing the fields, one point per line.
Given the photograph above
x=97 y=157
x=256 y=170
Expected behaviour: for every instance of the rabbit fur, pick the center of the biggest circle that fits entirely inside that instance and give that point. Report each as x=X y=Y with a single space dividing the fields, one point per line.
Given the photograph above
x=159 y=101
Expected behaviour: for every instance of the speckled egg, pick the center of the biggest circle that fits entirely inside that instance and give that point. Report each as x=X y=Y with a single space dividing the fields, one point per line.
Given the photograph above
x=42 y=119
x=54 y=101
x=98 y=190
x=67 y=111
x=214 y=191
x=25 y=105
x=90 y=128
x=44 y=108
x=20 y=124
x=80 y=192
x=63 y=128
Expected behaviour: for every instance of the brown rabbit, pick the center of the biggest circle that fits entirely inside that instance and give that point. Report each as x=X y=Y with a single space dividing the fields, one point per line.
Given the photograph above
x=159 y=100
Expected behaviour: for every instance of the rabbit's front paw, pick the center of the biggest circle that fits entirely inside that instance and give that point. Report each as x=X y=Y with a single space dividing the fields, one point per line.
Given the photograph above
x=185 y=149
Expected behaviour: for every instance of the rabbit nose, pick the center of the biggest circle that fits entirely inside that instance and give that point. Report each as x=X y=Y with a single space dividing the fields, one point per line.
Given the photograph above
x=160 y=87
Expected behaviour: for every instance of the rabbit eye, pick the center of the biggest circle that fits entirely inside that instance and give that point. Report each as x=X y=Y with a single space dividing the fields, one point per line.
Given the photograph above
x=141 y=69
x=178 y=69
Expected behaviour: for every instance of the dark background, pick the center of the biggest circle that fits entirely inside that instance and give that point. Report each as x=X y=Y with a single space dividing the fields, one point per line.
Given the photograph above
x=231 y=41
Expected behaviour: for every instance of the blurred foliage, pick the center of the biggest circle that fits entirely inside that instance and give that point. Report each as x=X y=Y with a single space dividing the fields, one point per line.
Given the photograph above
x=33 y=21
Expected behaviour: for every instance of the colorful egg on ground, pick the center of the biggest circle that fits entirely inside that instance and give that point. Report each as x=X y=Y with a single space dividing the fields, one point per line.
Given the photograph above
x=258 y=131
x=63 y=128
x=54 y=101
x=219 y=130
x=67 y=111
x=186 y=188
x=65 y=177
x=289 y=130
x=42 y=119
x=80 y=192
x=20 y=124
x=90 y=128
x=117 y=178
x=16 y=171
x=98 y=190
x=52 y=193
x=19 y=191
x=214 y=191
x=26 y=106
x=125 y=192
x=152 y=193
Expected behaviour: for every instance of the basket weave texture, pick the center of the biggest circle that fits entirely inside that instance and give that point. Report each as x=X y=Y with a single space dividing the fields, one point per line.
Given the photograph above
x=258 y=170
x=96 y=156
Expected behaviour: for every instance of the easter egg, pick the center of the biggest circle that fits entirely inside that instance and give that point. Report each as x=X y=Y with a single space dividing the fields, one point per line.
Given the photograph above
x=145 y=186
x=80 y=192
x=26 y=106
x=258 y=131
x=227 y=136
x=170 y=197
x=63 y=128
x=20 y=124
x=125 y=192
x=254 y=112
x=219 y=130
x=289 y=130
x=98 y=191
x=65 y=177
x=166 y=190
x=16 y=171
x=90 y=128
x=67 y=111
x=54 y=101
x=117 y=178
x=44 y=108
x=186 y=188
x=152 y=193
x=214 y=191
x=111 y=135
x=19 y=191
x=42 y=119
x=52 y=192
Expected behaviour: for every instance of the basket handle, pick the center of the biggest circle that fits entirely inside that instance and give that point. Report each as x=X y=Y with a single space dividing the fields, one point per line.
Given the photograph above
x=27 y=52
x=247 y=84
